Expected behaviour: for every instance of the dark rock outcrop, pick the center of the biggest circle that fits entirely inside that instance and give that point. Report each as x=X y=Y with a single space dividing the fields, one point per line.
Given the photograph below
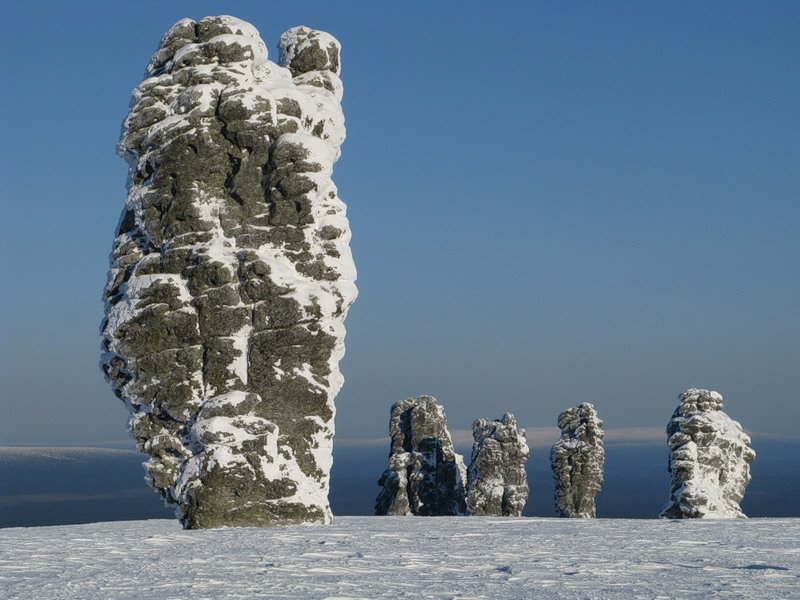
x=231 y=273
x=709 y=460
x=497 y=484
x=577 y=459
x=425 y=475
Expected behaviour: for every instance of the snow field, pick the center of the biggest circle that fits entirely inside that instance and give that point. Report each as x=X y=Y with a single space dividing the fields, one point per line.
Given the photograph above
x=407 y=557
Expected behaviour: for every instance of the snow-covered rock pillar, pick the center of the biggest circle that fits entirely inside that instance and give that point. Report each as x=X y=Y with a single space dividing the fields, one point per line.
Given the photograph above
x=425 y=475
x=577 y=460
x=231 y=273
x=709 y=459
x=497 y=484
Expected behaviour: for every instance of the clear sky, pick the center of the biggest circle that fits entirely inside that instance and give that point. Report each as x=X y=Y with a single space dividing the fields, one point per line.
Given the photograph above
x=551 y=203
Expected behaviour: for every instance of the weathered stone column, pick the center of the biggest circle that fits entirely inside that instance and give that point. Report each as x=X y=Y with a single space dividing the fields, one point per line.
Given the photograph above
x=497 y=484
x=577 y=459
x=709 y=459
x=425 y=475
x=231 y=273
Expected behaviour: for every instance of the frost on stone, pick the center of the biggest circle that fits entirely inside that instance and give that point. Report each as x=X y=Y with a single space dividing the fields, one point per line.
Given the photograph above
x=577 y=460
x=709 y=460
x=231 y=273
x=497 y=484
x=425 y=475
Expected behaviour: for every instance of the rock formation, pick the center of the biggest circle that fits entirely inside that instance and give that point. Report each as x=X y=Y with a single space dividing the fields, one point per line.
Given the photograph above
x=231 y=273
x=425 y=475
x=497 y=484
x=577 y=459
x=709 y=459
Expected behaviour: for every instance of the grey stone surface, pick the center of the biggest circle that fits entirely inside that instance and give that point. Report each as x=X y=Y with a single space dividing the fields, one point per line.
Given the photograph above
x=425 y=475
x=709 y=460
x=231 y=273
x=577 y=460
x=497 y=484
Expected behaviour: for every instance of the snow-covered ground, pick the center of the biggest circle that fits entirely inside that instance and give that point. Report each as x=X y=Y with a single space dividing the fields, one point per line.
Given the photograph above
x=412 y=557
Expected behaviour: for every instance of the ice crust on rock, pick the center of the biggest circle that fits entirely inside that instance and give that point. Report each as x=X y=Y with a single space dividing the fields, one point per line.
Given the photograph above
x=577 y=460
x=709 y=459
x=425 y=475
x=497 y=484
x=231 y=273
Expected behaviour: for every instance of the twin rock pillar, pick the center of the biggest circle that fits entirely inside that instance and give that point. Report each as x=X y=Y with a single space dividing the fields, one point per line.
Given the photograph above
x=427 y=477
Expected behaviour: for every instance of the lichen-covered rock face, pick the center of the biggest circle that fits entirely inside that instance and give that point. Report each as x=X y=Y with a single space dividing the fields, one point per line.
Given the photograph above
x=709 y=459
x=231 y=273
x=577 y=459
x=425 y=475
x=497 y=484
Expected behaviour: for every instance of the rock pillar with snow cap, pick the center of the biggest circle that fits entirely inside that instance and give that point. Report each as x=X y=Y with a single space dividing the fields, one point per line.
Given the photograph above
x=577 y=460
x=497 y=484
x=231 y=274
x=425 y=476
x=709 y=460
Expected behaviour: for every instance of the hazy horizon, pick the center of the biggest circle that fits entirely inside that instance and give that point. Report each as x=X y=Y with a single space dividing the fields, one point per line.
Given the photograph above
x=50 y=486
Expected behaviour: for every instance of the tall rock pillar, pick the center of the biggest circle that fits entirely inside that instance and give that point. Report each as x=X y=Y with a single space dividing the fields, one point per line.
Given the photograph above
x=577 y=460
x=425 y=475
x=231 y=273
x=709 y=461
x=497 y=484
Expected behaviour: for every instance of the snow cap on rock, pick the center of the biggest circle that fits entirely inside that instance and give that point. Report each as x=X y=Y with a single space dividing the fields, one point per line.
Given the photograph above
x=303 y=50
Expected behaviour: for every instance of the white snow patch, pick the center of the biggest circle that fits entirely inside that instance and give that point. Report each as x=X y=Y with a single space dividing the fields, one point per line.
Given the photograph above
x=418 y=557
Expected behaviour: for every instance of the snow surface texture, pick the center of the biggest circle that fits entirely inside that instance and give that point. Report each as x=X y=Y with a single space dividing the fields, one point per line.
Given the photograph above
x=709 y=459
x=425 y=475
x=371 y=557
x=577 y=459
x=231 y=273
x=496 y=481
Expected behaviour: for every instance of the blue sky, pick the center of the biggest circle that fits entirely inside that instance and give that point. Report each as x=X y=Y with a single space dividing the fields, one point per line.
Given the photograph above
x=551 y=203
